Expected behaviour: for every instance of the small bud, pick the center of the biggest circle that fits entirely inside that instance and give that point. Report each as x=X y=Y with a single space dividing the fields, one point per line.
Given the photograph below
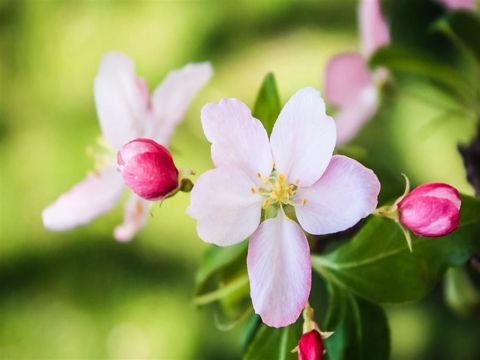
x=310 y=346
x=148 y=169
x=430 y=210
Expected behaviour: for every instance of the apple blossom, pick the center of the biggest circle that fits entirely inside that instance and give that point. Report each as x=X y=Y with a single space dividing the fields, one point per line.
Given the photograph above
x=349 y=84
x=430 y=210
x=293 y=172
x=147 y=169
x=126 y=111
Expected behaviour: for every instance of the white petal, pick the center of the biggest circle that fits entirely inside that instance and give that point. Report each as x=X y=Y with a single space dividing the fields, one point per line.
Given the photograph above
x=303 y=138
x=346 y=193
x=279 y=269
x=351 y=118
x=88 y=199
x=224 y=206
x=172 y=97
x=237 y=138
x=121 y=100
x=135 y=218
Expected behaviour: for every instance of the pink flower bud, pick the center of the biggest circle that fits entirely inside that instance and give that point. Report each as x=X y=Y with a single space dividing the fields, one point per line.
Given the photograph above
x=431 y=210
x=148 y=169
x=310 y=346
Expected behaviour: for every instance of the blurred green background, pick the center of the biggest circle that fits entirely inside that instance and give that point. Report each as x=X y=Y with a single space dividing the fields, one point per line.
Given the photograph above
x=80 y=294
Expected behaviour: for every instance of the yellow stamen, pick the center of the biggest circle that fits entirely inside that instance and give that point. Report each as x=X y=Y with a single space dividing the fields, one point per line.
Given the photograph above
x=265 y=204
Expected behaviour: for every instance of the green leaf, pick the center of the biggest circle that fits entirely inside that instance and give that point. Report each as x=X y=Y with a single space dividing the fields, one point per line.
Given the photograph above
x=267 y=106
x=271 y=343
x=377 y=265
x=410 y=25
x=465 y=25
x=422 y=51
x=217 y=258
x=407 y=61
x=238 y=285
x=360 y=329
x=460 y=291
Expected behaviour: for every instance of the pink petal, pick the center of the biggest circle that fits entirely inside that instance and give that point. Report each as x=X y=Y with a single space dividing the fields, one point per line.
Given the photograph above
x=237 y=138
x=303 y=138
x=351 y=118
x=279 y=269
x=172 y=97
x=226 y=210
x=430 y=217
x=437 y=190
x=346 y=75
x=135 y=218
x=346 y=193
x=459 y=4
x=120 y=99
x=90 y=198
x=372 y=26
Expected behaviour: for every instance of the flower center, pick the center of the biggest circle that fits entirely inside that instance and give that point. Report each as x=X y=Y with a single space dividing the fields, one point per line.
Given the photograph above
x=276 y=190
x=101 y=153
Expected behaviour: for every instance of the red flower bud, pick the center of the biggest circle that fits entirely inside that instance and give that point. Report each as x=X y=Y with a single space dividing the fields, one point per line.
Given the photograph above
x=310 y=346
x=147 y=168
x=431 y=210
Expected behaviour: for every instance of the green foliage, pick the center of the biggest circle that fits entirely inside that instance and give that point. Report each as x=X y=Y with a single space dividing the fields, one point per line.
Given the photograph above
x=377 y=265
x=267 y=106
x=410 y=24
x=460 y=293
x=419 y=50
x=466 y=27
x=271 y=343
x=215 y=259
x=360 y=329
x=402 y=60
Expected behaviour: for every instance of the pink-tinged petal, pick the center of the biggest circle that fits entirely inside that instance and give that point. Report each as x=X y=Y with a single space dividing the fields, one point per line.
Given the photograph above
x=346 y=193
x=90 y=198
x=372 y=27
x=135 y=218
x=303 y=138
x=351 y=118
x=279 y=269
x=120 y=98
x=459 y=4
x=237 y=138
x=172 y=97
x=346 y=75
x=431 y=210
x=226 y=209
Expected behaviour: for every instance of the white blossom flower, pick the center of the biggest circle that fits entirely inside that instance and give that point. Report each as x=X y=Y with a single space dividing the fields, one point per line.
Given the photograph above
x=126 y=111
x=294 y=170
